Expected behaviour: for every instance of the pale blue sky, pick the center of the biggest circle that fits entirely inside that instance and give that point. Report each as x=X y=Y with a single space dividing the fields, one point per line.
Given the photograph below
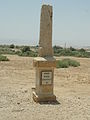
x=20 y=21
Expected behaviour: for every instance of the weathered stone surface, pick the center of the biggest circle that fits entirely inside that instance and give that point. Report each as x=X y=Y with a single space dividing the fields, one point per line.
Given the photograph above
x=44 y=62
x=45 y=42
x=51 y=98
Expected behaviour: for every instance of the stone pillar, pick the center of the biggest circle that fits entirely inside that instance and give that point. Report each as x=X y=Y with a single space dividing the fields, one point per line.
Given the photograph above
x=45 y=42
x=45 y=63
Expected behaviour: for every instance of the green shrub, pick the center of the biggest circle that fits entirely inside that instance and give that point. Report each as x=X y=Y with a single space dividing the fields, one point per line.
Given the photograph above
x=58 y=51
x=3 y=58
x=12 y=46
x=65 y=63
x=62 y=64
x=82 y=50
x=73 y=63
x=25 y=49
x=27 y=54
x=72 y=49
x=7 y=51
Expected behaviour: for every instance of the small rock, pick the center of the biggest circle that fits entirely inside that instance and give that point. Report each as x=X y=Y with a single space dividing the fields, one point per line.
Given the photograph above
x=26 y=91
x=18 y=103
x=78 y=97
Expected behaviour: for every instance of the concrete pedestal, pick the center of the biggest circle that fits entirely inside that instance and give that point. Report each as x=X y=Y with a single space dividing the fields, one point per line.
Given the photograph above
x=43 y=91
x=37 y=98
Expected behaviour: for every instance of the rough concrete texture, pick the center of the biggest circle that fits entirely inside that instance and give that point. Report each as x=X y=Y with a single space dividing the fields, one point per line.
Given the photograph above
x=45 y=42
x=44 y=62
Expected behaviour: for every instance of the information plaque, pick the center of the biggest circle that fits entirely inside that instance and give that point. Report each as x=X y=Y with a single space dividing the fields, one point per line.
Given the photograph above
x=46 y=77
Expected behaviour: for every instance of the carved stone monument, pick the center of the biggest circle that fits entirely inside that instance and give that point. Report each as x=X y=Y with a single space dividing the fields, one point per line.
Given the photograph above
x=45 y=62
x=45 y=42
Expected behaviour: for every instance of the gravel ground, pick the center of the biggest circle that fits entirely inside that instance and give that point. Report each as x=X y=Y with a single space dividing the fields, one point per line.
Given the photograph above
x=72 y=88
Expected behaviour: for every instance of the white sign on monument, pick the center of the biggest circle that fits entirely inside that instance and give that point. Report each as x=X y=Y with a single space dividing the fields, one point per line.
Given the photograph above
x=46 y=77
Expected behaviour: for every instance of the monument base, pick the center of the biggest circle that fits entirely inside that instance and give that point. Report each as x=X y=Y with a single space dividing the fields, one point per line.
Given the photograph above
x=43 y=98
x=43 y=91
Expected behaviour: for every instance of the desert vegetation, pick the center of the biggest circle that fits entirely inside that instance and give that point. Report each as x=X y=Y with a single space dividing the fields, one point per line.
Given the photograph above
x=65 y=63
x=3 y=58
x=26 y=51
x=18 y=50
x=59 y=51
x=32 y=51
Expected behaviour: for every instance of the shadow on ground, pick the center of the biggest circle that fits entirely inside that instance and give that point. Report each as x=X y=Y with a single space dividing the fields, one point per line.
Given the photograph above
x=50 y=103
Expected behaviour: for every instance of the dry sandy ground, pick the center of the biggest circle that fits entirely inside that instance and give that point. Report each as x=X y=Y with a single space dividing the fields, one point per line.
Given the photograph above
x=72 y=88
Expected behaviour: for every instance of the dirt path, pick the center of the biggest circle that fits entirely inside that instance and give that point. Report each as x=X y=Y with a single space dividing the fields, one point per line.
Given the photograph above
x=72 y=88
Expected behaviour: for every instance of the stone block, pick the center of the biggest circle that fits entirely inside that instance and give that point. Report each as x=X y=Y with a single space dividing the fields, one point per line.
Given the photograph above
x=44 y=62
x=36 y=98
